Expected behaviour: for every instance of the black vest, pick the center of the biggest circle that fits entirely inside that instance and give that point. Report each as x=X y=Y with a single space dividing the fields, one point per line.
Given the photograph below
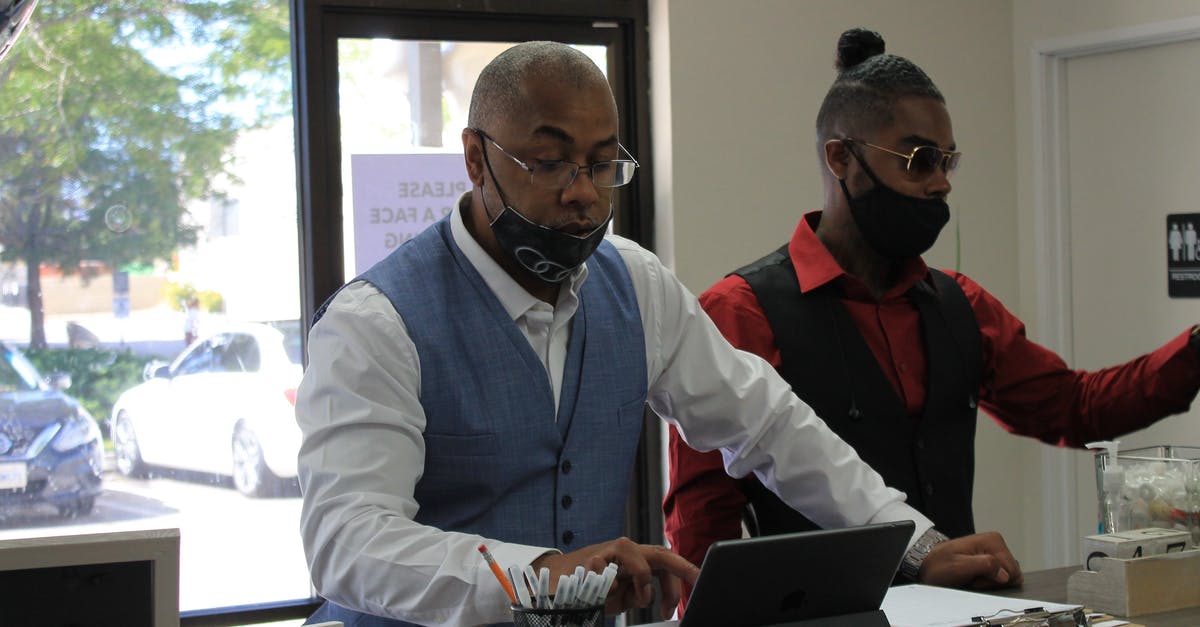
x=931 y=459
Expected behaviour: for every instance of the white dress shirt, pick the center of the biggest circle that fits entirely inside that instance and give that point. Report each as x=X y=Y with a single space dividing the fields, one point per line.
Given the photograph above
x=363 y=453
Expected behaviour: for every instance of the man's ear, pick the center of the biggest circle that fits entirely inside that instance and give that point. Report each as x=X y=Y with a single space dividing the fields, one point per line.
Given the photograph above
x=837 y=158
x=473 y=156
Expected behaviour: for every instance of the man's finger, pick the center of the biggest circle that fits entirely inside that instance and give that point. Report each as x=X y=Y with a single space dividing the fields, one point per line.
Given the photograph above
x=664 y=559
x=671 y=591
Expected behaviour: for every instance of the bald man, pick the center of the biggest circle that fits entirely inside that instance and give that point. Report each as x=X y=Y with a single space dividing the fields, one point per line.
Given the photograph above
x=486 y=382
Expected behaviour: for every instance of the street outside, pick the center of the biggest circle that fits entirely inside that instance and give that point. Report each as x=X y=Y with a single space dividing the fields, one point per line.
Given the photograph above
x=156 y=332
x=234 y=550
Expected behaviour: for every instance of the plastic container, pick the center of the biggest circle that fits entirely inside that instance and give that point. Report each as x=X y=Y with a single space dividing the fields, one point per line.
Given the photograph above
x=1160 y=488
x=573 y=617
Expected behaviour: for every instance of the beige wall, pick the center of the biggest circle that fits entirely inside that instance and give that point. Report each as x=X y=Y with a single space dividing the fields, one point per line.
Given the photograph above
x=742 y=82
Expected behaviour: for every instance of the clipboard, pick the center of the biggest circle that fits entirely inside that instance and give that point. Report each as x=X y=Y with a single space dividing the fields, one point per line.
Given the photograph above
x=920 y=605
x=1034 y=617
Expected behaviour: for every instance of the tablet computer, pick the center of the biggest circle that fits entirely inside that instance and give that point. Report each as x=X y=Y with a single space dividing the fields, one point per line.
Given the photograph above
x=795 y=577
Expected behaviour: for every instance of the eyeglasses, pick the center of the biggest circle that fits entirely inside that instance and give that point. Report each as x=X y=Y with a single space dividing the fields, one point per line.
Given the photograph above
x=922 y=161
x=559 y=174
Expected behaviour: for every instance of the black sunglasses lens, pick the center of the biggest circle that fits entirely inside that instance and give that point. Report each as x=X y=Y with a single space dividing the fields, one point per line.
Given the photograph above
x=925 y=160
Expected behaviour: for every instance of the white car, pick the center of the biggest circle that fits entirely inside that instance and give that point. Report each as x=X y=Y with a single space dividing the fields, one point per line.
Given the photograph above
x=226 y=405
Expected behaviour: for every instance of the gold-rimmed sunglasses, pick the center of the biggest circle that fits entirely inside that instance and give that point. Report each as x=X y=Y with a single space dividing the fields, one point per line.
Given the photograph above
x=922 y=162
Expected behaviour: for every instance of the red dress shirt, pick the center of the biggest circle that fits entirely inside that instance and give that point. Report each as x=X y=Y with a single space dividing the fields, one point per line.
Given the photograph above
x=1026 y=388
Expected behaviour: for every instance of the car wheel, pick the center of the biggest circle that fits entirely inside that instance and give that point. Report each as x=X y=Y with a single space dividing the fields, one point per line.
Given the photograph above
x=80 y=507
x=250 y=473
x=125 y=448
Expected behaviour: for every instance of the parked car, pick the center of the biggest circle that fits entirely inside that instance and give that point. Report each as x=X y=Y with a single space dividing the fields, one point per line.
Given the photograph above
x=50 y=446
x=226 y=405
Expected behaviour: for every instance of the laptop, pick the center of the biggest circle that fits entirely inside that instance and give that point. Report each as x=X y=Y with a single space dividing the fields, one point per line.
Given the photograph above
x=826 y=577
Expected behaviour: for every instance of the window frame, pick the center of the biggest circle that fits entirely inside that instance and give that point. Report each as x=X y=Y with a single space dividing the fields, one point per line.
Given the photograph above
x=317 y=26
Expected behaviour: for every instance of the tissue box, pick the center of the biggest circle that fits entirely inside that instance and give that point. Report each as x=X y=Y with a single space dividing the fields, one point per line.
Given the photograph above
x=1162 y=488
x=1144 y=585
x=1135 y=543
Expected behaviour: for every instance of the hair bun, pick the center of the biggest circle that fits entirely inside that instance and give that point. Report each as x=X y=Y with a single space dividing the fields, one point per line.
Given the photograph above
x=855 y=46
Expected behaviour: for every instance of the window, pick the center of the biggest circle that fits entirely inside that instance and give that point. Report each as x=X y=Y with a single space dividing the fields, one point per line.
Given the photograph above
x=177 y=266
x=167 y=214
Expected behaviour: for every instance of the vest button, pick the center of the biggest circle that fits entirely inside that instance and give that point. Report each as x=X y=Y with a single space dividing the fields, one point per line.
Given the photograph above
x=566 y=467
x=566 y=501
x=929 y=489
x=568 y=536
x=921 y=443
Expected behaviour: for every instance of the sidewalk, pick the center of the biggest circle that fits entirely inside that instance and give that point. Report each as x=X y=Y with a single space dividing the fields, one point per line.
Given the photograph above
x=154 y=332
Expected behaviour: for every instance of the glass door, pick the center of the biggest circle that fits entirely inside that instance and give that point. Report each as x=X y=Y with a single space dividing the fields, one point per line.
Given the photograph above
x=396 y=80
x=403 y=105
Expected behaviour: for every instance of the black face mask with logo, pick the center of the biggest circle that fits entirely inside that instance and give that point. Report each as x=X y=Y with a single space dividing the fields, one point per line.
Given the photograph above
x=895 y=225
x=547 y=254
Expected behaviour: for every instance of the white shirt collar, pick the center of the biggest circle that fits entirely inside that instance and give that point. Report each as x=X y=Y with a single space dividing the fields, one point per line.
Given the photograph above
x=512 y=296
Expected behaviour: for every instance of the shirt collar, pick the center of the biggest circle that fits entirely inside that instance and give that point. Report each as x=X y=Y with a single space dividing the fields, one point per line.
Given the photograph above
x=515 y=300
x=815 y=265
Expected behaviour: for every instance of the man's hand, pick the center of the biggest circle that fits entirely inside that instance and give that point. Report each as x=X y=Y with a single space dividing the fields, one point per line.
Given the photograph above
x=637 y=565
x=979 y=561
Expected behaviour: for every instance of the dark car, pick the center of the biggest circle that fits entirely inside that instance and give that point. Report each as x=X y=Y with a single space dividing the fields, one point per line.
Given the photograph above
x=50 y=446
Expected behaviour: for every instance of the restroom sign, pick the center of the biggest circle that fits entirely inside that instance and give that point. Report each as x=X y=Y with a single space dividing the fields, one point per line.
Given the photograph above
x=1183 y=255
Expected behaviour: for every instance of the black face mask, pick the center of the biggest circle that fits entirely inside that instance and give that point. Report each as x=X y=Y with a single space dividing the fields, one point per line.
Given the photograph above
x=897 y=226
x=547 y=254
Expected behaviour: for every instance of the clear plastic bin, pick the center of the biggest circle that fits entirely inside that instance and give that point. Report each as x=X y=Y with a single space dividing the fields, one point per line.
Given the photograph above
x=1161 y=489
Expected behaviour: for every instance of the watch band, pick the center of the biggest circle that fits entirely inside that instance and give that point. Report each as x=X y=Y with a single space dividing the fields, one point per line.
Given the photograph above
x=910 y=566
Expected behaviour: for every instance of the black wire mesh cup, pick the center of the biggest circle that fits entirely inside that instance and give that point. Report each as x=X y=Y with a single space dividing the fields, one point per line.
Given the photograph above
x=568 y=617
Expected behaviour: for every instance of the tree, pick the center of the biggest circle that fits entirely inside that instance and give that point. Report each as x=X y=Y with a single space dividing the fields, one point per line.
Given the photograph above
x=108 y=129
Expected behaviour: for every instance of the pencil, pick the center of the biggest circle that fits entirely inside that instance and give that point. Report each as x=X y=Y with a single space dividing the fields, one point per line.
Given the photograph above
x=508 y=589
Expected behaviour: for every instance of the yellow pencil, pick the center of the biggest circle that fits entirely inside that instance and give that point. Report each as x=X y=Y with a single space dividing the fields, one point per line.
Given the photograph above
x=487 y=557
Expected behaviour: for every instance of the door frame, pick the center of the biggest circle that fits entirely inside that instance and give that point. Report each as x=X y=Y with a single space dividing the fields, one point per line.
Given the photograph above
x=317 y=25
x=1052 y=238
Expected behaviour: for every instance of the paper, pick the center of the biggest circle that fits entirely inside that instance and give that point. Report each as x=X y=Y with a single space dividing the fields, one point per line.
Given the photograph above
x=930 y=606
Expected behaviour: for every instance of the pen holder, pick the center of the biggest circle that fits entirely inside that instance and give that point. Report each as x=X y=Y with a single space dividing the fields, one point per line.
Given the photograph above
x=570 y=617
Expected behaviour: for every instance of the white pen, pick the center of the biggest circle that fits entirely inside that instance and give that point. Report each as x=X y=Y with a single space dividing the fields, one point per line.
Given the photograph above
x=587 y=590
x=531 y=579
x=518 y=580
x=568 y=597
x=544 y=588
x=560 y=594
x=610 y=575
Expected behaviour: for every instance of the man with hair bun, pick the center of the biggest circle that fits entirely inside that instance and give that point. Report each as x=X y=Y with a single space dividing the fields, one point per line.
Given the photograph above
x=895 y=356
x=486 y=383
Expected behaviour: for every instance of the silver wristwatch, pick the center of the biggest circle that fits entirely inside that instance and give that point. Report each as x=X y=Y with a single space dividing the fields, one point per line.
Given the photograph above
x=910 y=566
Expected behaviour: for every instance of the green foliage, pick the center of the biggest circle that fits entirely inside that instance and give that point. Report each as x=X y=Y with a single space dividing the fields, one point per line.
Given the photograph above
x=178 y=293
x=98 y=375
x=211 y=301
x=114 y=116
